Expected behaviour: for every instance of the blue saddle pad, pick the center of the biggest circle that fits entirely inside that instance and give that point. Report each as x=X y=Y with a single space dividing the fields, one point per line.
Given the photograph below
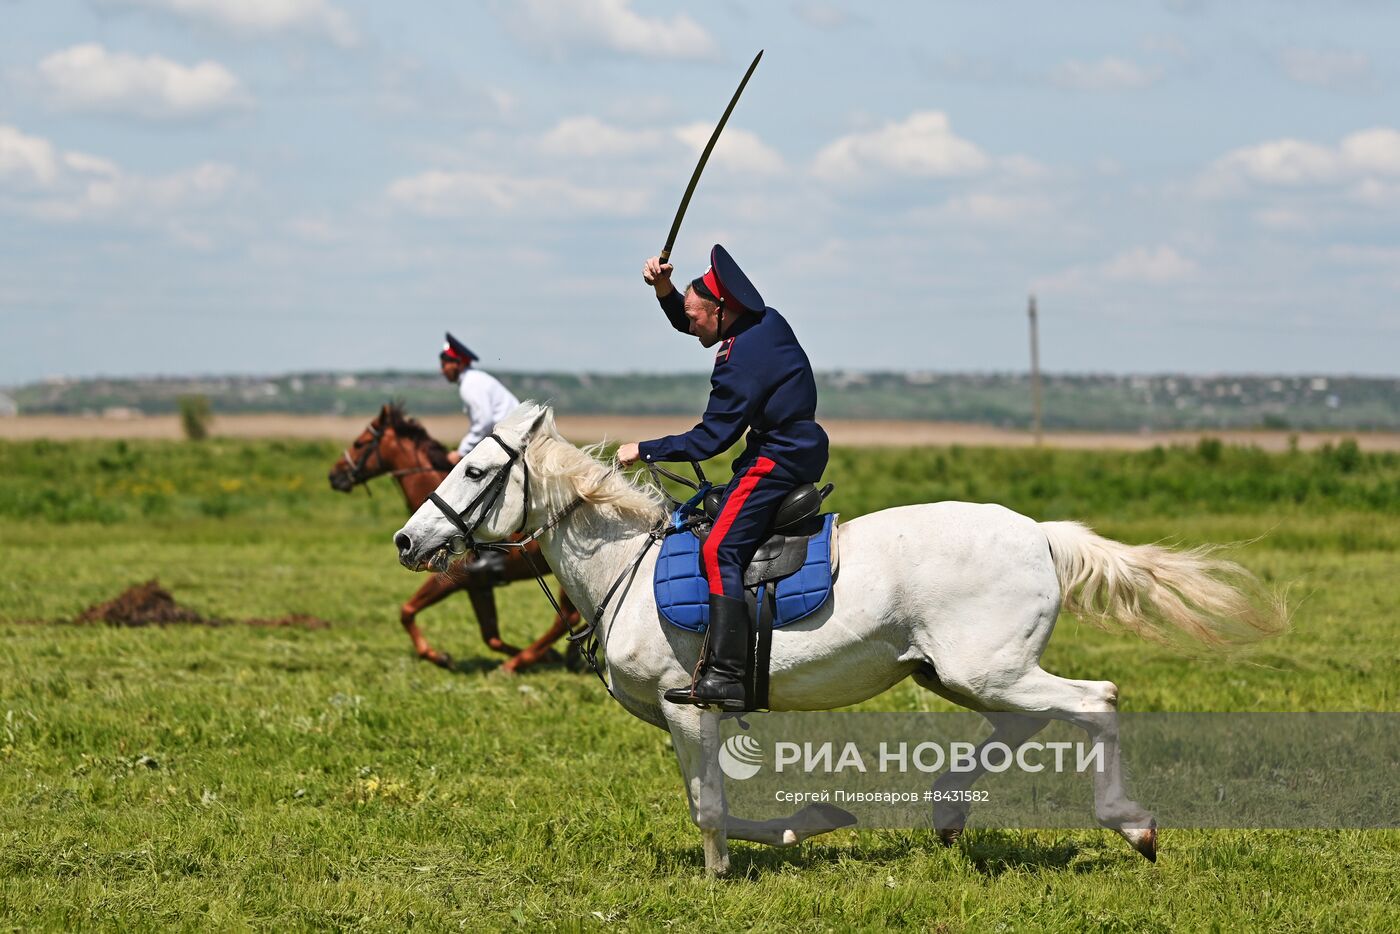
x=683 y=594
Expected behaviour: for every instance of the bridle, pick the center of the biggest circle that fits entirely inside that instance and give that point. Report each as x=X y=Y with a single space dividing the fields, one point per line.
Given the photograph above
x=359 y=466
x=485 y=501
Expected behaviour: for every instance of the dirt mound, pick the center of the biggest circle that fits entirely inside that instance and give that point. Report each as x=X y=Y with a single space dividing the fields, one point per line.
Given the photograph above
x=142 y=605
x=150 y=604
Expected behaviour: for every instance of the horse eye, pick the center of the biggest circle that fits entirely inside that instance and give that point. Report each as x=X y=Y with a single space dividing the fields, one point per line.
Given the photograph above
x=474 y=473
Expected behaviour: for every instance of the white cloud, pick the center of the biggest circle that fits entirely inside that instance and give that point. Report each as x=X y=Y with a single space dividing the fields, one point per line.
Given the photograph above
x=1376 y=150
x=26 y=158
x=583 y=26
x=993 y=208
x=250 y=18
x=590 y=137
x=820 y=14
x=1159 y=265
x=1107 y=74
x=1374 y=193
x=1357 y=159
x=54 y=185
x=1281 y=162
x=317 y=230
x=737 y=149
x=439 y=193
x=1154 y=265
x=1332 y=70
x=141 y=198
x=86 y=164
x=923 y=145
x=88 y=77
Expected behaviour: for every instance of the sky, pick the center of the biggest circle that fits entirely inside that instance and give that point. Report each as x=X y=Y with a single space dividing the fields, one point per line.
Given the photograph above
x=265 y=186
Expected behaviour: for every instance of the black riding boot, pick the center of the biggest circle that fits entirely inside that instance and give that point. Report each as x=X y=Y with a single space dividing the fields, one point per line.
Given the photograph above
x=721 y=682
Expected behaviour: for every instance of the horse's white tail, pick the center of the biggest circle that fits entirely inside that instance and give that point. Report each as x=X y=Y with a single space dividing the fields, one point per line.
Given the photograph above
x=1158 y=592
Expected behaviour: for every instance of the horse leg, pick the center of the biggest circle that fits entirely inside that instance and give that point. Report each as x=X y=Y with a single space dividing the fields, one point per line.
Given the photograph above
x=787 y=831
x=950 y=816
x=1090 y=705
x=484 y=602
x=695 y=738
x=436 y=587
x=538 y=650
x=949 y=813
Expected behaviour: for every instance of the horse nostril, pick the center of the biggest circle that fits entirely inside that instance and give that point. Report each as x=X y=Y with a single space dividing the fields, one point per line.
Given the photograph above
x=403 y=542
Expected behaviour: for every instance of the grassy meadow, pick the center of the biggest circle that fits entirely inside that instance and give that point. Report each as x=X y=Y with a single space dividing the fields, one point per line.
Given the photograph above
x=224 y=778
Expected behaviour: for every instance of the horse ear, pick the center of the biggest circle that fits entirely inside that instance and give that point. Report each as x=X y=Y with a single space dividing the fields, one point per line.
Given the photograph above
x=541 y=416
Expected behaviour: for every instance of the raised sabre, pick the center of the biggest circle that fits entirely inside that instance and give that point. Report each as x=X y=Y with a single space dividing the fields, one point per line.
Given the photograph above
x=704 y=157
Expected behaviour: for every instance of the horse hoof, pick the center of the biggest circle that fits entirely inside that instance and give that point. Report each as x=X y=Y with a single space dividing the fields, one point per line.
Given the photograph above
x=949 y=835
x=440 y=659
x=718 y=870
x=1143 y=840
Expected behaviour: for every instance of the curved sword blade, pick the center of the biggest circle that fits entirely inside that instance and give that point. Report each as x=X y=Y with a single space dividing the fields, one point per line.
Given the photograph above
x=704 y=157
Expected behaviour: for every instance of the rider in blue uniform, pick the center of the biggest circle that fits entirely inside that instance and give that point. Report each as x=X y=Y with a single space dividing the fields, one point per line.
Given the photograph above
x=763 y=382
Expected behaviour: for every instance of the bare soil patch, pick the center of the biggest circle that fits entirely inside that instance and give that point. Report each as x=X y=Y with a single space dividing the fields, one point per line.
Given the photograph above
x=150 y=604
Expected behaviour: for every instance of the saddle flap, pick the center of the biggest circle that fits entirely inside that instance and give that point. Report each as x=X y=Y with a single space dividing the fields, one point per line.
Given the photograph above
x=775 y=559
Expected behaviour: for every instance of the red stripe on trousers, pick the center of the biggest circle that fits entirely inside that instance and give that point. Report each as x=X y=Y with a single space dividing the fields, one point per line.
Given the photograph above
x=760 y=469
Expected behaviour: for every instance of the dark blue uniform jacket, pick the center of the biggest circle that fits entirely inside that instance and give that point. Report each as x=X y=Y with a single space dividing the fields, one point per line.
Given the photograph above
x=762 y=381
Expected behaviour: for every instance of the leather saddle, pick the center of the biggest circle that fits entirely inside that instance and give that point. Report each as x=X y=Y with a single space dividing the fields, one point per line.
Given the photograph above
x=785 y=549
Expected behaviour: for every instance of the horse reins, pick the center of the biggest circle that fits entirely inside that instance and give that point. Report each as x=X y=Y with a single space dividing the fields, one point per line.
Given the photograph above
x=586 y=637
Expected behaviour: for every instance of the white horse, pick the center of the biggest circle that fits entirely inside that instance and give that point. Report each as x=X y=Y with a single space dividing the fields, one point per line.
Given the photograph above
x=960 y=596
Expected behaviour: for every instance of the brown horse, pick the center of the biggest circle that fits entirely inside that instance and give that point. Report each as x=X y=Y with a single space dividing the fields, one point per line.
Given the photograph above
x=397 y=445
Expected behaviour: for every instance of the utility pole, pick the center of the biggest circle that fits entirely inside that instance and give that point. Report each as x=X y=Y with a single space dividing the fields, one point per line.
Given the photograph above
x=1035 y=374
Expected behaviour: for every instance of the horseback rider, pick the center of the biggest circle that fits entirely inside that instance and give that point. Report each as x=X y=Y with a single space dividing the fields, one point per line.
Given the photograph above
x=484 y=400
x=761 y=381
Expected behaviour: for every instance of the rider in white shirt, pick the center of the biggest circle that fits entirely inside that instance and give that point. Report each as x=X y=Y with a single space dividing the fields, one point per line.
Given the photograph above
x=484 y=400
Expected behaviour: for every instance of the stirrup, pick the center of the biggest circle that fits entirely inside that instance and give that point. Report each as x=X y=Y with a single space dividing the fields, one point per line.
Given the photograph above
x=687 y=696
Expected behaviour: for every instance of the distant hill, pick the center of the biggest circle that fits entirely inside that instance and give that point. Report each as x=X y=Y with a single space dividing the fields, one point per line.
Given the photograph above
x=1071 y=401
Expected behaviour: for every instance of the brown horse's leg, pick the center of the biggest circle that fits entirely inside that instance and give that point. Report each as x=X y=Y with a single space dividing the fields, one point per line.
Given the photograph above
x=433 y=590
x=538 y=650
x=484 y=602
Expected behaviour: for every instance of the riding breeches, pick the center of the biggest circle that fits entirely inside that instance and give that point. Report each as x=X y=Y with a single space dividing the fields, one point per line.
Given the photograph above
x=744 y=520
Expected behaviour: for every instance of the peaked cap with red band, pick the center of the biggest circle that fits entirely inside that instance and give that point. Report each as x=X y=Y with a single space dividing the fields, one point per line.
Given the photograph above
x=456 y=350
x=725 y=281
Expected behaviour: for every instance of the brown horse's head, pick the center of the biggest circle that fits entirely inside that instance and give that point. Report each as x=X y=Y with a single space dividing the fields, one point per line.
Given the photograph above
x=392 y=441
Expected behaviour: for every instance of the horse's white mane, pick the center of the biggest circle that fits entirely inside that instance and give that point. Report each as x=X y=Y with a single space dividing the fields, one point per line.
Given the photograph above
x=550 y=456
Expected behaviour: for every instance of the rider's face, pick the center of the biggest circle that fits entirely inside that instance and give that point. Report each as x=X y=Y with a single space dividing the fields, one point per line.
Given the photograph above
x=704 y=318
x=451 y=369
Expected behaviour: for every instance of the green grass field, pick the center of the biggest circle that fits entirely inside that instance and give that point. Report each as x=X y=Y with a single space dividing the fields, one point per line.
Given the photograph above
x=217 y=778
